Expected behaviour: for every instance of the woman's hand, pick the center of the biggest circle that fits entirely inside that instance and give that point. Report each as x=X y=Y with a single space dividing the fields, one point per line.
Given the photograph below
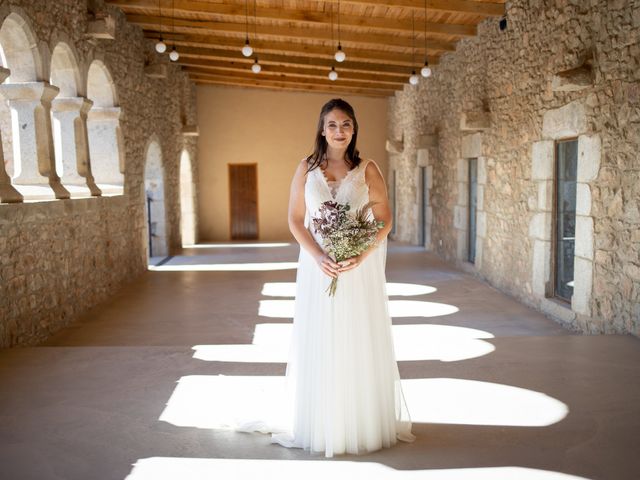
x=353 y=262
x=327 y=265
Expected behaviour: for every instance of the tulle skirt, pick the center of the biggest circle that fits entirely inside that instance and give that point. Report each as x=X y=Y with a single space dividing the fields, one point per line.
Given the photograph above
x=342 y=386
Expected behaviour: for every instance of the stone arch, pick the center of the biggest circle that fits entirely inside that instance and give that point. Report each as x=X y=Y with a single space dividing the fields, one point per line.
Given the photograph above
x=19 y=54
x=106 y=144
x=19 y=49
x=155 y=211
x=65 y=72
x=69 y=116
x=28 y=149
x=187 y=200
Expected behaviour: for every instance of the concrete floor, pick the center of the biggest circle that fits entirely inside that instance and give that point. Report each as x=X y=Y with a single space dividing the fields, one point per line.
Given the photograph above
x=496 y=390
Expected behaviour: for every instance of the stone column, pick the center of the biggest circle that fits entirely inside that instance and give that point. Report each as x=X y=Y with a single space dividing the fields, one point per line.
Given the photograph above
x=8 y=194
x=105 y=145
x=72 y=143
x=33 y=155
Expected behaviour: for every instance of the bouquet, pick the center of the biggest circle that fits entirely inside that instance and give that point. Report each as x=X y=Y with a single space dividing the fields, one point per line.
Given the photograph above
x=345 y=235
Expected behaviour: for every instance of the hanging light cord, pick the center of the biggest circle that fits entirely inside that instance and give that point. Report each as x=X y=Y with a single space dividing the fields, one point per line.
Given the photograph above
x=413 y=40
x=173 y=23
x=160 y=15
x=425 y=30
x=331 y=16
x=246 y=18
x=338 y=22
x=255 y=20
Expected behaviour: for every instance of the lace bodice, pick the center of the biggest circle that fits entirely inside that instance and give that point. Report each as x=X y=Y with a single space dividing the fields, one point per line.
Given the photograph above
x=351 y=189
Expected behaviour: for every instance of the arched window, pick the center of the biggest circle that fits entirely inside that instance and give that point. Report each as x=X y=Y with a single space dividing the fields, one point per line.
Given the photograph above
x=25 y=114
x=69 y=113
x=187 y=200
x=155 y=207
x=103 y=124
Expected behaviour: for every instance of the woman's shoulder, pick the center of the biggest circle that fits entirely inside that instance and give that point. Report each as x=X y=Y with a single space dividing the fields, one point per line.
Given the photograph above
x=370 y=166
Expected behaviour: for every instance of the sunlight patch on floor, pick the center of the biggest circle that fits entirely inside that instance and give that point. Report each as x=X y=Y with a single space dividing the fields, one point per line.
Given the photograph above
x=223 y=401
x=168 y=468
x=397 y=308
x=271 y=342
x=288 y=289
x=225 y=267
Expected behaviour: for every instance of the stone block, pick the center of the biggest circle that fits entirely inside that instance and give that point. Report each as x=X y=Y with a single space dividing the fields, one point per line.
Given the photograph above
x=429 y=177
x=480 y=198
x=482 y=170
x=545 y=196
x=190 y=131
x=460 y=217
x=582 y=286
x=558 y=311
x=573 y=80
x=422 y=157
x=584 y=237
x=589 y=153
x=474 y=121
x=479 y=252
x=462 y=170
x=156 y=70
x=463 y=195
x=427 y=141
x=394 y=146
x=481 y=224
x=565 y=122
x=540 y=226
x=461 y=245
x=542 y=155
x=102 y=28
x=583 y=199
x=471 y=146
x=541 y=266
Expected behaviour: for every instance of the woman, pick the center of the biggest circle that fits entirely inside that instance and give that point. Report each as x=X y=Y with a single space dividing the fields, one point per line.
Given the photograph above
x=342 y=380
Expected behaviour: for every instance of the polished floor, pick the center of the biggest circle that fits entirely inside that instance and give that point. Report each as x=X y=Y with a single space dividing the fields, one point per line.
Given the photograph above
x=134 y=390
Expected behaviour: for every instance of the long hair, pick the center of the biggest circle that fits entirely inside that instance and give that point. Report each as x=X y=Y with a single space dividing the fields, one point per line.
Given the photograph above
x=353 y=155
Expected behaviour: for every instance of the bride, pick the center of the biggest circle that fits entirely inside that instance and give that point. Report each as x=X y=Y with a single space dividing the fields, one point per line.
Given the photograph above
x=342 y=380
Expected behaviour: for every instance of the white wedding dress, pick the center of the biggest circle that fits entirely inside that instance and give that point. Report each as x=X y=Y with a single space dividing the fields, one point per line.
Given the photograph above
x=343 y=391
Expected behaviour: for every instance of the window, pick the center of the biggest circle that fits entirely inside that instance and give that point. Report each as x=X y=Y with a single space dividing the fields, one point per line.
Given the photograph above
x=473 y=199
x=565 y=217
x=394 y=203
x=424 y=196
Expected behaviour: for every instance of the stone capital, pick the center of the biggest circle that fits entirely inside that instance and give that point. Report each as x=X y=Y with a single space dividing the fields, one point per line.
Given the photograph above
x=71 y=104
x=29 y=91
x=190 y=130
x=4 y=73
x=105 y=113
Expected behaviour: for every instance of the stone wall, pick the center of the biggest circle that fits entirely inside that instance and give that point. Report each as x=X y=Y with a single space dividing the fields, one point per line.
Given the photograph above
x=498 y=91
x=59 y=258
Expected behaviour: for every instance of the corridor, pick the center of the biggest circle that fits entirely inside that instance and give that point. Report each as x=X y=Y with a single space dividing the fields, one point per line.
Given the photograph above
x=495 y=389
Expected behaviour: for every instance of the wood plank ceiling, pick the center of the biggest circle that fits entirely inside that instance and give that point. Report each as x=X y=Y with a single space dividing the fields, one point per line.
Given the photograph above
x=295 y=43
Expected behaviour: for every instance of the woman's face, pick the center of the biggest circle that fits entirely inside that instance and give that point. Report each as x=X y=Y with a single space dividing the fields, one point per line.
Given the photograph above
x=338 y=129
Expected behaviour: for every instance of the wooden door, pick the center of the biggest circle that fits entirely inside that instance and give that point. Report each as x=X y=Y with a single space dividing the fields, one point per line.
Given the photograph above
x=243 y=201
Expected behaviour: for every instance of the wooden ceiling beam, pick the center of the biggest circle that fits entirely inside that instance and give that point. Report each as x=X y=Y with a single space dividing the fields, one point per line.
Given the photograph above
x=292 y=88
x=204 y=55
x=470 y=7
x=270 y=71
x=205 y=42
x=347 y=38
x=184 y=8
x=256 y=82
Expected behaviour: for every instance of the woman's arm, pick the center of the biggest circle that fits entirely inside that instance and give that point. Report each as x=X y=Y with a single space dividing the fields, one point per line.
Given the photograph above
x=381 y=212
x=297 y=209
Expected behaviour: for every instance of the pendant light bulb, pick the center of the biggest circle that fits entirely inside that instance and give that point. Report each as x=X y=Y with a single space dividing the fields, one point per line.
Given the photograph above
x=174 y=55
x=413 y=79
x=247 y=51
x=426 y=70
x=333 y=75
x=255 y=68
x=340 y=55
x=161 y=47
